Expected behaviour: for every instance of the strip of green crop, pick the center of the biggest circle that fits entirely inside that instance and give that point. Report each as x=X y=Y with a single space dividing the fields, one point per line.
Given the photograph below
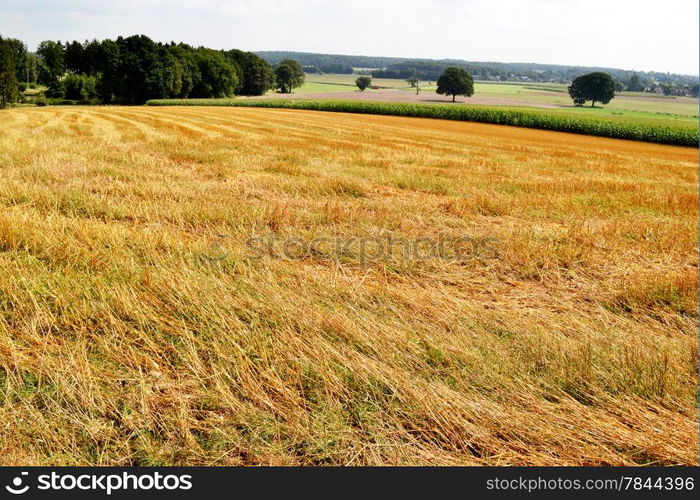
x=679 y=136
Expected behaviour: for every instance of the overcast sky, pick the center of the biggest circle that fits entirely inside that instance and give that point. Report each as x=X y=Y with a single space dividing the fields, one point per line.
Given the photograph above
x=659 y=35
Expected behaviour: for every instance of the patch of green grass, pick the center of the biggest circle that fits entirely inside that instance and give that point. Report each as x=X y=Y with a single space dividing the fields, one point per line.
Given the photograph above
x=544 y=93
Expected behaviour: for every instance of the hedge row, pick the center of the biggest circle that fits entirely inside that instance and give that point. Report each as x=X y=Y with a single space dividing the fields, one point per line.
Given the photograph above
x=680 y=136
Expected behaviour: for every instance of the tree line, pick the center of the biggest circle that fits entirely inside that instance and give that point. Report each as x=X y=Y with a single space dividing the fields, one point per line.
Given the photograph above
x=134 y=69
x=431 y=69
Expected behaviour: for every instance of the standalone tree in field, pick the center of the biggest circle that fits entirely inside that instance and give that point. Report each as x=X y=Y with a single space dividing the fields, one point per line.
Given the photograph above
x=594 y=87
x=8 y=77
x=363 y=82
x=454 y=82
x=290 y=75
x=414 y=81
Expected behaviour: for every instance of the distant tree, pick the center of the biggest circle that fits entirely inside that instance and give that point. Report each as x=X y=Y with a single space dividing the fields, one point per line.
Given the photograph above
x=415 y=81
x=56 y=88
x=257 y=75
x=290 y=75
x=619 y=86
x=594 y=87
x=79 y=87
x=19 y=53
x=285 y=78
x=338 y=69
x=140 y=74
x=455 y=81
x=74 y=57
x=363 y=82
x=135 y=69
x=107 y=62
x=32 y=68
x=93 y=57
x=668 y=88
x=634 y=84
x=8 y=77
x=51 y=61
x=219 y=76
x=187 y=73
x=177 y=71
x=694 y=90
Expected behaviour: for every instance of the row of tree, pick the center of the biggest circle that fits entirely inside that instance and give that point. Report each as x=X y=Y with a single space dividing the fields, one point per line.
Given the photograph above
x=134 y=69
x=331 y=68
x=431 y=69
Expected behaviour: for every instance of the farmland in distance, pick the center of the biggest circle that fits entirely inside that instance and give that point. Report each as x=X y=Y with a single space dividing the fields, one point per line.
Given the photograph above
x=553 y=97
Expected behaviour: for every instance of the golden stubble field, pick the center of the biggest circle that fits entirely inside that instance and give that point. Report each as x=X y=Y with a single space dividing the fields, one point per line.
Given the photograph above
x=137 y=327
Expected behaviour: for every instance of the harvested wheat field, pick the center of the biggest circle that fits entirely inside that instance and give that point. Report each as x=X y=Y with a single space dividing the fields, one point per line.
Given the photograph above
x=140 y=324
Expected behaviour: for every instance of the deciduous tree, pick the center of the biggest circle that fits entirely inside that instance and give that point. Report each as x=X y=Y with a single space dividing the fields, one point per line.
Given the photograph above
x=290 y=75
x=19 y=53
x=257 y=75
x=51 y=61
x=363 y=82
x=455 y=81
x=8 y=77
x=594 y=87
x=634 y=84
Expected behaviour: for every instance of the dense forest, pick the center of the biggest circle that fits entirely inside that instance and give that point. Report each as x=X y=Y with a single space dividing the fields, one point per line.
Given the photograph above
x=131 y=70
x=431 y=69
